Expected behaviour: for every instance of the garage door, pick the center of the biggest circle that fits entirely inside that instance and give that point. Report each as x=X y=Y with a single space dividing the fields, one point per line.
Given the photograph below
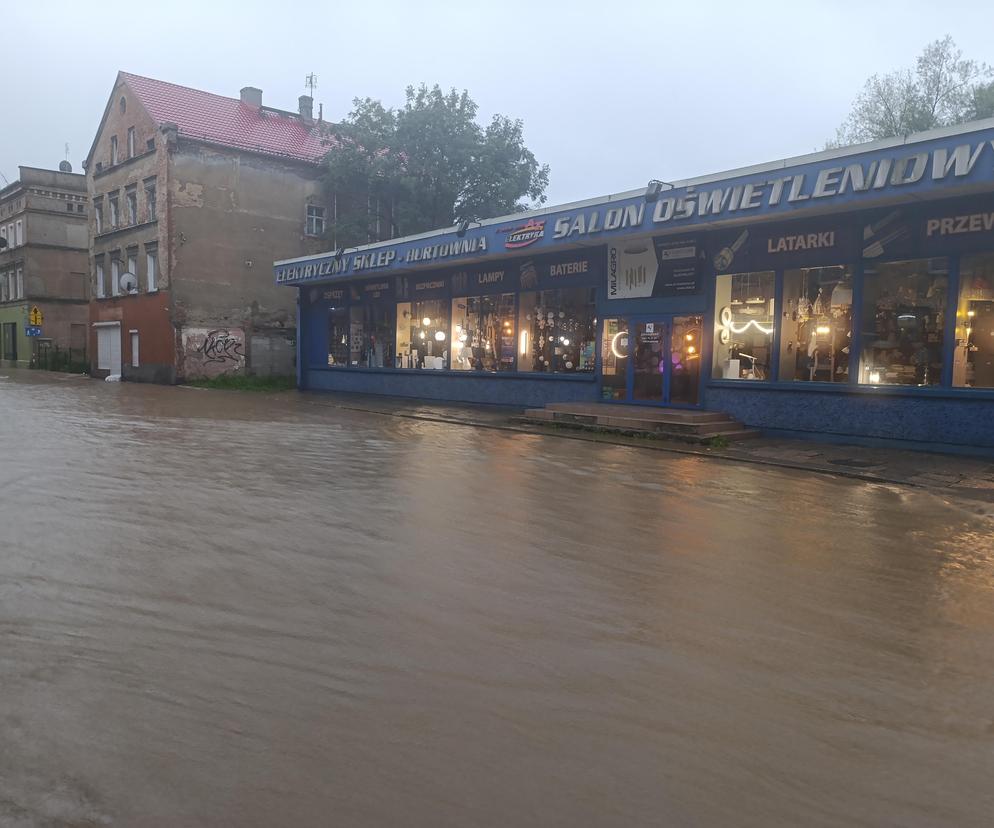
x=109 y=348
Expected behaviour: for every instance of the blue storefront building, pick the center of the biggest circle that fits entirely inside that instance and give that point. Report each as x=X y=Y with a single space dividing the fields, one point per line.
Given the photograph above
x=845 y=294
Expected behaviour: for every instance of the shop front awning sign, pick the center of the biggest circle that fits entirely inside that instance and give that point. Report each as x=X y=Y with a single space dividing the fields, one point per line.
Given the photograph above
x=927 y=166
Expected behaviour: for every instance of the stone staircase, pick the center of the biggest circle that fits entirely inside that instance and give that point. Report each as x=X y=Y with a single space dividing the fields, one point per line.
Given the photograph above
x=689 y=426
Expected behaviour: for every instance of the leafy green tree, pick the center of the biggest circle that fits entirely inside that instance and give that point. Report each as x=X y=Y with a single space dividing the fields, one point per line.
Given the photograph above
x=942 y=89
x=426 y=165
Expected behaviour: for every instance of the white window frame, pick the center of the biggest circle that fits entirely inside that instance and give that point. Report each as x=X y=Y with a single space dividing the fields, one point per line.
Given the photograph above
x=151 y=268
x=133 y=268
x=98 y=215
x=115 y=277
x=150 y=199
x=20 y=232
x=113 y=150
x=101 y=287
x=315 y=225
x=131 y=200
x=131 y=142
x=115 y=212
x=19 y=282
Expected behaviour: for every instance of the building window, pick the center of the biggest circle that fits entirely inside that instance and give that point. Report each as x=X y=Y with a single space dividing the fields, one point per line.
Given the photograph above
x=423 y=334
x=20 y=232
x=152 y=267
x=133 y=268
x=614 y=359
x=131 y=200
x=131 y=142
x=816 y=324
x=115 y=277
x=149 y=199
x=483 y=333
x=113 y=150
x=903 y=319
x=11 y=286
x=114 y=215
x=557 y=330
x=101 y=286
x=123 y=104
x=150 y=145
x=315 y=220
x=69 y=206
x=3 y=234
x=135 y=363
x=19 y=283
x=338 y=336
x=973 y=358
x=98 y=215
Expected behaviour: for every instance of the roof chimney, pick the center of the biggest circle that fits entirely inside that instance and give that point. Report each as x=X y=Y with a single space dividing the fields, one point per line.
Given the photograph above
x=306 y=108
x=252 y=96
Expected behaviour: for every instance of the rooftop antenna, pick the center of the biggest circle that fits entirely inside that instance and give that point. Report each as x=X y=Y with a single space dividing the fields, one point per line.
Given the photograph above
x=311 y=82
x=67 y=150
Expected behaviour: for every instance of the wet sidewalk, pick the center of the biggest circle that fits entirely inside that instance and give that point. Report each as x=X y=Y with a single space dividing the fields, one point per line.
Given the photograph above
x=953 y=475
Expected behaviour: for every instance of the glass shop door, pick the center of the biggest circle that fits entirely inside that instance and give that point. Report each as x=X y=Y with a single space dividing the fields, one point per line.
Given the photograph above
x=652 y=360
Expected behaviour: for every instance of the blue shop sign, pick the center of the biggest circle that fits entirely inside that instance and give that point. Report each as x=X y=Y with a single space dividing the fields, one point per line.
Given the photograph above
x=32 y=330
x=930 y=168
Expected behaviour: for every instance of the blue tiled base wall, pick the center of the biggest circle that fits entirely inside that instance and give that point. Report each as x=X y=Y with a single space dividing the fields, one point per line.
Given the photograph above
x=939 y=421
x=428 y=385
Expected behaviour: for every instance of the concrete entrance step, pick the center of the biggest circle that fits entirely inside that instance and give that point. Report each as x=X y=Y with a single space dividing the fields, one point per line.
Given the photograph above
x=667 y=423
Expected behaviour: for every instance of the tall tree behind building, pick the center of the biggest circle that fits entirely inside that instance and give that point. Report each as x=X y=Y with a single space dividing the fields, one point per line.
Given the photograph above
x=426 y=165
x=943 y=88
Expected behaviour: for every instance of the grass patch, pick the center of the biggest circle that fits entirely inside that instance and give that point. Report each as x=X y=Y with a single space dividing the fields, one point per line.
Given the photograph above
x=718 y=442
x=240 y=382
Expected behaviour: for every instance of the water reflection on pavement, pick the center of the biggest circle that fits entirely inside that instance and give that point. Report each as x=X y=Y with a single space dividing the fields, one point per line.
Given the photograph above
x=230 y=609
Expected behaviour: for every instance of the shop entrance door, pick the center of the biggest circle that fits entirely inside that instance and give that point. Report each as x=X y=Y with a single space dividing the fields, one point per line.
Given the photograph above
x=652 y=360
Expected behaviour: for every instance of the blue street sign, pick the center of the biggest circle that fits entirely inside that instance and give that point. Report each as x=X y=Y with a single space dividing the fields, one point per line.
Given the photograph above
x=32 y=330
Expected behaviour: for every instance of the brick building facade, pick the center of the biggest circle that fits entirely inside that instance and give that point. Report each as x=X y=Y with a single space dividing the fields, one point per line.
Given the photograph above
x=43 y=265
x=194 y=196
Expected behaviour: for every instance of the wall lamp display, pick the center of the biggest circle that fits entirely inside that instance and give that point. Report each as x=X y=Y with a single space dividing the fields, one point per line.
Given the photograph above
x=744 y=324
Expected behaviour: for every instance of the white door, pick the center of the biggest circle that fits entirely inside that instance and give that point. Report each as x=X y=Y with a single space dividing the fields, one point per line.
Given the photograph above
x=109 y=348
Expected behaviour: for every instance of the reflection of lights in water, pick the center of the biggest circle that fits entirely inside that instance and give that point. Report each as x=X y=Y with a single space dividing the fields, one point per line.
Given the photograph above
x=439 y=336
x=823 y=330
x=426 y=321
x=614 y=344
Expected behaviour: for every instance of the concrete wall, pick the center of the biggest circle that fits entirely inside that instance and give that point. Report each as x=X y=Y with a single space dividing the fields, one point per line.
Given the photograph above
x=232 y=214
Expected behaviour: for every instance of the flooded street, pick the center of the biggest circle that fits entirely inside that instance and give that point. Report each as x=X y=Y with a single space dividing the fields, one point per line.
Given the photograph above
x=224 y=608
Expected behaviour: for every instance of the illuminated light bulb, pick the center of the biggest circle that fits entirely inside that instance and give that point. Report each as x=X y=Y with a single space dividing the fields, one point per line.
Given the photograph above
x=874 y=376
x=463 y=337
x=523 y=343
x=971 y=313
x=689 y=337
x=439 y=336
x=422 y=334
x=823 y=330
x=691 y=349
x=426 y=321
x=565 y=341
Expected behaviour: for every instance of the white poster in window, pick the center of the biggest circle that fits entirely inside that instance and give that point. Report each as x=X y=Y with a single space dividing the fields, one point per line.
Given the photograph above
x=631 y=269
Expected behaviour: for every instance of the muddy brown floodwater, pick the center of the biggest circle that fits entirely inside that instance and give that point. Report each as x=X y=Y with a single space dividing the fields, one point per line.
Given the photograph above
x=223 y=609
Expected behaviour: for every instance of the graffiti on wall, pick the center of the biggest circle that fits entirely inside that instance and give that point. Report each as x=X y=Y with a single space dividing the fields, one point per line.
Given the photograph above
x=209 y=352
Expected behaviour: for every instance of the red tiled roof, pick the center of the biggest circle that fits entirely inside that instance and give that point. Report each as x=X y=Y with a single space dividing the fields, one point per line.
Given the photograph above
x=227 y=121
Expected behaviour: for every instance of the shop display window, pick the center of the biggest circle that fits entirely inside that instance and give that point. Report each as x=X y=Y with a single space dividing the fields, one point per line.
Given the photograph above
x=614 y=358
x=338 y=336
x=557 y=330
x=744 y=319
x=685 y=359
x=423 y=334
x=903 y=319
x=973 y=358
x=372 y=336
x=816 y=325
x=483 y=333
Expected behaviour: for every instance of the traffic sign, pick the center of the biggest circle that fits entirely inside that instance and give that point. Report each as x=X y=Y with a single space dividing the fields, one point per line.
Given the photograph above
x=32 y=330
x=35 y=316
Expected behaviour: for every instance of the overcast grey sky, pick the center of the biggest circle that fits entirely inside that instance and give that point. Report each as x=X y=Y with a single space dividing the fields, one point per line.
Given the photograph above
x=611 y=93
